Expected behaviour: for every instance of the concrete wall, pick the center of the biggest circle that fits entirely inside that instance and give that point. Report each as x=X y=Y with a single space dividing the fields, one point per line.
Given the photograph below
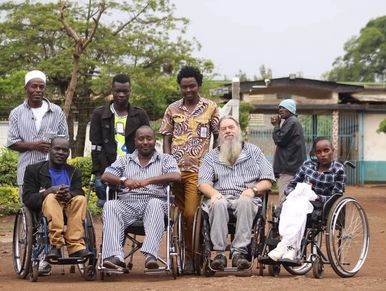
x=374 y=143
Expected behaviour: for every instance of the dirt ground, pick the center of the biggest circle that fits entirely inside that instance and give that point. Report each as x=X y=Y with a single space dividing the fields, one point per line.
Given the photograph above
x=371 y=277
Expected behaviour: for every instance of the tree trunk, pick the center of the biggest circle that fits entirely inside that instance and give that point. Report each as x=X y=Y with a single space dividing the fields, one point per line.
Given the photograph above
x=83 y=119
x=72 y=86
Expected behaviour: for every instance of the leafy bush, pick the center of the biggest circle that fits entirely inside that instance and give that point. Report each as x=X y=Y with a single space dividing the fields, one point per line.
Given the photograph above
x=8 y=167
x=83 y=164
x=9 y=200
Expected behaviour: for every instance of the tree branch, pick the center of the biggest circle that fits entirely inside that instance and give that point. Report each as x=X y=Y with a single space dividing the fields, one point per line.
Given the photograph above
x=102 y=8
x=66 y=26
x=132 y=19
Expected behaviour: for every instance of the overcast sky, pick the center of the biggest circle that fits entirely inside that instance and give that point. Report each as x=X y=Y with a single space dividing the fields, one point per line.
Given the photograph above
x=287 y=36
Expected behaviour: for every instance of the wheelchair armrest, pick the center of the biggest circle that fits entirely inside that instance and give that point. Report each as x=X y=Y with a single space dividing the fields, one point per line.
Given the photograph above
x=327 y=206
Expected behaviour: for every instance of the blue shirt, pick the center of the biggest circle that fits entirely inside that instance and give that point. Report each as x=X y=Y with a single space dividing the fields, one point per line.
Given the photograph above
x=59 y=177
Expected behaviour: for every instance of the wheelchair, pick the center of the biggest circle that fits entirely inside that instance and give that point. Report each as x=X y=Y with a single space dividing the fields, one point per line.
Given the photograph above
x=31 y=242
x=202 y=245
x=342 y=223
x=174 y=258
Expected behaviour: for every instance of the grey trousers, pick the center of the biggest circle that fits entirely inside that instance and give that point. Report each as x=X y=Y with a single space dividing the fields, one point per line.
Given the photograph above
x=282 y=183
x=245 y=210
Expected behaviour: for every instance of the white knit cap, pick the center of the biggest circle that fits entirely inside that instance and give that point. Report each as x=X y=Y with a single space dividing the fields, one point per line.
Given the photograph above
x=33 y=75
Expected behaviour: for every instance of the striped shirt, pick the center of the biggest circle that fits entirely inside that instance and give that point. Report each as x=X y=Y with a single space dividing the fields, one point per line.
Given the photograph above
x=250 y=167
x=130 y=167
x=324 y=184
x=22 y=129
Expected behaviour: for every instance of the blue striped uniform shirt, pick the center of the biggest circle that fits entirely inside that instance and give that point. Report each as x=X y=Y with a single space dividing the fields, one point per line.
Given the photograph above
x=22 y=128
x=250 y=167
x=130 y=167
x=324 y=184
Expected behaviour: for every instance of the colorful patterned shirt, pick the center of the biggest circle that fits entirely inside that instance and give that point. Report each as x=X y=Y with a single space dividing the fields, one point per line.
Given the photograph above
x=324 y=184
x=190 y=132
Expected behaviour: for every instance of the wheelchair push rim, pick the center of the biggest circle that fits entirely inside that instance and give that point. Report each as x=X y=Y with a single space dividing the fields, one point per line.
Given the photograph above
x=347 y=237
x=22 y=243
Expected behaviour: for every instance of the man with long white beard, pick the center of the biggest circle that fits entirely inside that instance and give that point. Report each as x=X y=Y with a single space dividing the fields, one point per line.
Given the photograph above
x=233 y=176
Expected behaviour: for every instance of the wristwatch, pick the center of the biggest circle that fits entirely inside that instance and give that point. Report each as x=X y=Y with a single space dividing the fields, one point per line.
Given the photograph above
x=122 y=180
x=255 y=190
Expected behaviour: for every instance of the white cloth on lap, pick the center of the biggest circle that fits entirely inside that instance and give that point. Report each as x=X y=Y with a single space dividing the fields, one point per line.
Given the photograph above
x=293 y=215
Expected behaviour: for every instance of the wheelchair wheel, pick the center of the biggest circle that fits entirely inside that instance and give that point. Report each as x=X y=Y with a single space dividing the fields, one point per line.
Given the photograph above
x=347 y=237
x=318 y=268
x=197 y=242
x=306 y=257
x=178 y=261
x=22 y=242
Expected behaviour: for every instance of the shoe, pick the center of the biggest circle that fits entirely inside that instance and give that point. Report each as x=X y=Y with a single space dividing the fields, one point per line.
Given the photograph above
x=219 y=262
x=277 y=253
x=44 y=268
x=151 y=262
x=54 y=253
x=240 y=261
x=290 y=254
x=81 y=254
x=188 y=267
x=113 y=263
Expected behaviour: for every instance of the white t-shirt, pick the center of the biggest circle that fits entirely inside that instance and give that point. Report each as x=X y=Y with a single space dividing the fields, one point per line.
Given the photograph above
x=39 y=113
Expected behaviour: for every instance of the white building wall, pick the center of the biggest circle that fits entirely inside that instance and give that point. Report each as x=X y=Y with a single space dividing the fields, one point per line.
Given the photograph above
x=374 y=143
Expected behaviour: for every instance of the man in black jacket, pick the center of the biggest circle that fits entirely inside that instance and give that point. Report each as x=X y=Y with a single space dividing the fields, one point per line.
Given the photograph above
x=290 y=146
x=52 y=187
x=112 y=130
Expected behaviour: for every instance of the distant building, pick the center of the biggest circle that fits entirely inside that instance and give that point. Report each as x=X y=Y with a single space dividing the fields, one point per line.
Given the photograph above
x=348 y=114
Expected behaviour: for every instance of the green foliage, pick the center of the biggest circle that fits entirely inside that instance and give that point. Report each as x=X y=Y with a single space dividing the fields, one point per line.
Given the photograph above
x=245 y=109
x=382 y=127
x=8 y=167
x=9 y=200
x=83 y=164
x=365 y=55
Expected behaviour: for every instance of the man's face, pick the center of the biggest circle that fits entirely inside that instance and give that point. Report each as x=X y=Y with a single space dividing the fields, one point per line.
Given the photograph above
x=228 y=129
x=284 y=112
x=189 y=88
x=59 y=151
x=35 y=90
x=324 y=152
x=121 y=93
x=145 y=141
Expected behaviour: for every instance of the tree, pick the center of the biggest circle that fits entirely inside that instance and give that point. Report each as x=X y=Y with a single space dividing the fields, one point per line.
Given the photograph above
x=365 y=55
x=265 y=73
x=81 y=46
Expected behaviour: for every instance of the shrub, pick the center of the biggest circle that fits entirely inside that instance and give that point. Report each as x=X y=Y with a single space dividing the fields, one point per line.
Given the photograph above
x=8 y=167
x=83 y=164
x=9 y=200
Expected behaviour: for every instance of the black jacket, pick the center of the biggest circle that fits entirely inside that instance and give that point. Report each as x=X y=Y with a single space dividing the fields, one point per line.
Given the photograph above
x=37 y=179
x=290 y=147
x=103 y=145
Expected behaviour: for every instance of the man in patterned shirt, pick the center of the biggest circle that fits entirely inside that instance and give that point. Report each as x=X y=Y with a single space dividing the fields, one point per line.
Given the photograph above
x=187 y=127
x=326 y=178
x=233 y=176
x=144 y=175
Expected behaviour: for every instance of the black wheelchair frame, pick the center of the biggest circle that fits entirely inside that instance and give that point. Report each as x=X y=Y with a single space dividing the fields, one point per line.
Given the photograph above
x=30 y=243
x=202 y=245
x=174 y=260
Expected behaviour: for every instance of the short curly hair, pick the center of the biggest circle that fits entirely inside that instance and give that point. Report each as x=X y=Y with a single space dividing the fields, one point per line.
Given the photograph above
x=190 y=72
x=121 y=78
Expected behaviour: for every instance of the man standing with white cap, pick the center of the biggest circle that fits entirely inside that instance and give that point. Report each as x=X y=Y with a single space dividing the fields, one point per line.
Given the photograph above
x=290 y=147
x=33 y=123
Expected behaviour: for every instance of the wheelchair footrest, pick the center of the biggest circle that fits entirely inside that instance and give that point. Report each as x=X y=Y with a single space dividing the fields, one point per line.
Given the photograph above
x=70 y=261
x=160 y=270
x=267 y=261
x=113 y=271
x=293 y=263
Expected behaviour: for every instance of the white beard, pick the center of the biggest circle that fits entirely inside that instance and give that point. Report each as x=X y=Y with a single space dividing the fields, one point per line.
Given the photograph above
x=230 y=149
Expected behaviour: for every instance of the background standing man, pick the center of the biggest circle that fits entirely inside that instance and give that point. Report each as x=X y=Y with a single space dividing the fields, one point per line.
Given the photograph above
x=31 y=126
x=33 y=123
x=112 y=130
x=187 y=127
x=290 y=147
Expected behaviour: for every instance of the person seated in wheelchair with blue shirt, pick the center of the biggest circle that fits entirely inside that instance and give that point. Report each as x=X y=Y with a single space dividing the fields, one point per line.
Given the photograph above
x=144 y=176
x=53 y=187
x=233 y=176
x=323 y=178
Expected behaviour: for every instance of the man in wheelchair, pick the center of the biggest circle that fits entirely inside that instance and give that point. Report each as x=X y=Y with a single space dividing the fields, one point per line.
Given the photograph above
x=53 y=187
x=143 y=175
x=315 y=181
x=233 y=176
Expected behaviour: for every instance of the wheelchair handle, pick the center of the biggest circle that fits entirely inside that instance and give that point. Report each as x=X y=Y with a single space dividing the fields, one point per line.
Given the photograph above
x=348 y=163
